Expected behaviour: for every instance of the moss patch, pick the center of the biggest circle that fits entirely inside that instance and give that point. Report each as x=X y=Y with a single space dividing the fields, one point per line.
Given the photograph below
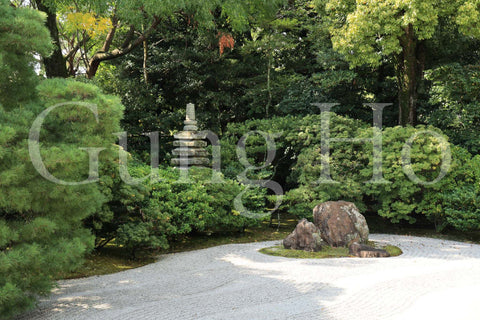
x=326 y=252
x=107 y=260
x=393 y=250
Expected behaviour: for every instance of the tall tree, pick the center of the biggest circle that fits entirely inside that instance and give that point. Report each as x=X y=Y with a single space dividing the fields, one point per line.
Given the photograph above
x=374 y=32
x=55 y=63
x=131 y=22
x=41 y=231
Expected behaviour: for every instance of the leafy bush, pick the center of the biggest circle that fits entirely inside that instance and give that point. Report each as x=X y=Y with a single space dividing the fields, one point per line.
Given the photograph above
x=343 y=167
x=296 y=165
x=122 y=201
x=41 y=231
x=451 y=201
x=256 y=147
x=455 y=94
x=175 y=209
x=457 y=202
x=401 y=198
x=292 y=135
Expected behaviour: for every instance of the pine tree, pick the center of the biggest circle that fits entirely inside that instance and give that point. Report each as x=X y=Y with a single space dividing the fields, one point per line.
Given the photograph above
x=41 y=231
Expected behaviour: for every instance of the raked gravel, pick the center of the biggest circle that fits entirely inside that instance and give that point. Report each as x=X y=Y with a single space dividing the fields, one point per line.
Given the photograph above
x=433 y=279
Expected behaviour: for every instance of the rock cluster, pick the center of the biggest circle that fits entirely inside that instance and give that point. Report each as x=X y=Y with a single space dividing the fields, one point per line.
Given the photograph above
x=364 y=251
x=306 y=236
x=338 y=224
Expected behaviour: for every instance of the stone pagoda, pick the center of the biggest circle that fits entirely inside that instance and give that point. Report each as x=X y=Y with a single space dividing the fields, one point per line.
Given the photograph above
x=190 y=143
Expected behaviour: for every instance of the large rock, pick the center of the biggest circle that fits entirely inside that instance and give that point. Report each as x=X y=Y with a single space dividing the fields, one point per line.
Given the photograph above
x=340 y=223
x=364 y=251
x=305 y=237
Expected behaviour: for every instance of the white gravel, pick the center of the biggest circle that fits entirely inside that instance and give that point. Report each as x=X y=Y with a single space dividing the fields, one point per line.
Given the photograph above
x=433 y=279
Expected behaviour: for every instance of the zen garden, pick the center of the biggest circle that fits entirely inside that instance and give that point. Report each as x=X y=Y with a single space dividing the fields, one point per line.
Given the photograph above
x=239 y=159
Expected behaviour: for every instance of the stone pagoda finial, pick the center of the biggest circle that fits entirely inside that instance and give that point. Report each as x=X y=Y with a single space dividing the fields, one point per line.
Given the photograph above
x=190 y=122
x=190 y=143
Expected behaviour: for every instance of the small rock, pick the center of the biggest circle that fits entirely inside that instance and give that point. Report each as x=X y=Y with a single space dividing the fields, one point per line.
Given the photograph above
x=364 y=251
x=340 y=222
x=306 y=236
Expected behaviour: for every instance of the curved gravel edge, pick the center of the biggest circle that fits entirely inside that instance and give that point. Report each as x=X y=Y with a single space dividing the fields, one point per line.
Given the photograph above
x=237 y=282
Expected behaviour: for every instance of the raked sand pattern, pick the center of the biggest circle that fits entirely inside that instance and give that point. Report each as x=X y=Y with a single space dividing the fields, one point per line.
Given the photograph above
x=433 y=279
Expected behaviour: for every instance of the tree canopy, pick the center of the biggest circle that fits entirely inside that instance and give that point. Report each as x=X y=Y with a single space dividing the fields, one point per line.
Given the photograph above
x=374 y=32
x=22 y=35
x=91 y=32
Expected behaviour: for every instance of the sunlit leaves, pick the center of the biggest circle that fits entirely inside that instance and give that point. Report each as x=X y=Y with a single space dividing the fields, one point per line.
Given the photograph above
x=368 y=31
x=88 y=22
x=469 y=18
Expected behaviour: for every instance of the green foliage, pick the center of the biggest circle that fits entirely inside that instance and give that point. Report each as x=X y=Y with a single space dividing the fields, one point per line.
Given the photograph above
x=346 y=161
x=286 y=63
x=296 y=164
x=401 y=198
x=468 y=18
x=40 y=221
x=455 y=94
x=395 y=32
x=22 y=34
x=369 y=31
x=451 y=201
x=236 y=12
x=122 y=201
x=95 y=31
x=456 y=201
x=175 y=209
x=255 y=145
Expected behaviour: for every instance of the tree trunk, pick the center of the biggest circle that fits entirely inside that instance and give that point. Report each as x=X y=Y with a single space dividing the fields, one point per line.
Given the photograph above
x=55 y=64
x=128 y=45
x=409 y=75
x=145 y=56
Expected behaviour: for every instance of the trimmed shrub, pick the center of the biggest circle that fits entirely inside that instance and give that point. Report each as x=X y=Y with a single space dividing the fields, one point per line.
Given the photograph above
x=451 y=201
x=296 y=165
x=456 y=202
x=402 y=197
x=175 y=208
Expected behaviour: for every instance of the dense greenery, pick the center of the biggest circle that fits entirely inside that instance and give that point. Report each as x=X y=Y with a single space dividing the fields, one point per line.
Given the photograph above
x=251 y=67
x=455 y=94
x=175 y=208
x=351 y=165
x=21 y=33
x=41 y=221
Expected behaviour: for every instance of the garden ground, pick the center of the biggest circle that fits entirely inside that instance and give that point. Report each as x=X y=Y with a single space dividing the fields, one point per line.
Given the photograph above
x=434 y=278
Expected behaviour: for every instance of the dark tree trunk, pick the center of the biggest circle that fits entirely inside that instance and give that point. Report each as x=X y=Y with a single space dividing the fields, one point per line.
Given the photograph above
x=55 y=64
x=409 y=75
x=129 y=44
